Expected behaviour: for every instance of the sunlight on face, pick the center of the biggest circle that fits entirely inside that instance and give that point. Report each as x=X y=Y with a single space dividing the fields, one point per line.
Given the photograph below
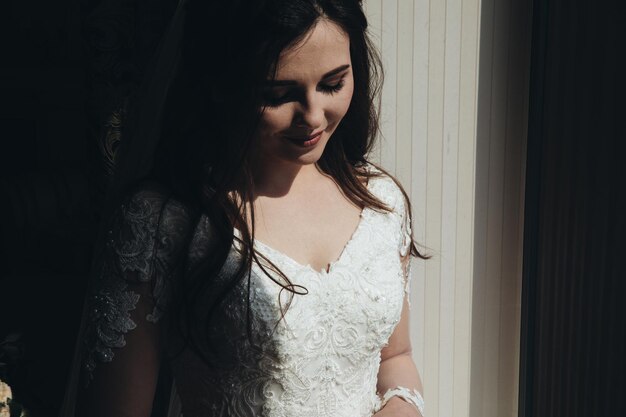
x=310 y=95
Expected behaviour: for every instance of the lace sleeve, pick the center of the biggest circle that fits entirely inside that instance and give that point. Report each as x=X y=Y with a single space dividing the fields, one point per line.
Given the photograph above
x=405 y=242
x=126 y=302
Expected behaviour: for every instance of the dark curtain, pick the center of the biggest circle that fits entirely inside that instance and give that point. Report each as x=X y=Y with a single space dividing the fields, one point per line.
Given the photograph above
x=573 y=341
x=66 y=73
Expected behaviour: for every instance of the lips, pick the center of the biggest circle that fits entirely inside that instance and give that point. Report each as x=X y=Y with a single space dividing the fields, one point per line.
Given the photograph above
x=306 y=141
x=305 y=138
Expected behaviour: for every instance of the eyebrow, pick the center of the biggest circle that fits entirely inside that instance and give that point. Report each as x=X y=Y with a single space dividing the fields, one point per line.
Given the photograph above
x=278 y=83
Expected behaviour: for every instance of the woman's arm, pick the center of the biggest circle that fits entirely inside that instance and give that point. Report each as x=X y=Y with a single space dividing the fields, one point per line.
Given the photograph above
x=397 y=369
x=122 y=336
x=398 y=378
x=125 y=386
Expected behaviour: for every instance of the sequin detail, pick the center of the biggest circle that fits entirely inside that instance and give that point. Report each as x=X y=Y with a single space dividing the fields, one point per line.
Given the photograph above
x=141 y=247
x=322 y=358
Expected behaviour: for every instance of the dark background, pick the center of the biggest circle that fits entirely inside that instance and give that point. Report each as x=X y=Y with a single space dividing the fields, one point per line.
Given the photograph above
x=67 y=70
x=573 y=356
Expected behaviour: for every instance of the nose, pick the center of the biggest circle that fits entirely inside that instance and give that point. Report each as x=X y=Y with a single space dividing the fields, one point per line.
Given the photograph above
x=310 y=112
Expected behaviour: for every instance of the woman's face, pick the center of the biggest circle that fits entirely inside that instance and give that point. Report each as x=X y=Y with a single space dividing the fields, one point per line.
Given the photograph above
x=309 y=96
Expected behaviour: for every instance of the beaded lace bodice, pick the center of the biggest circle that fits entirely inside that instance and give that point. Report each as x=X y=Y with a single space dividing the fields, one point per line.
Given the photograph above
x=321 y=359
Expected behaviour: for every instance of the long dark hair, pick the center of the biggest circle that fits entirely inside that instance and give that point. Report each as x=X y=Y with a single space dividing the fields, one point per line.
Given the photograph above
x=229 y=48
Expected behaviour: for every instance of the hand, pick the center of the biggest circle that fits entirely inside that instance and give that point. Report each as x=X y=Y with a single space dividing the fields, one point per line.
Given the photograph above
x=397 y=407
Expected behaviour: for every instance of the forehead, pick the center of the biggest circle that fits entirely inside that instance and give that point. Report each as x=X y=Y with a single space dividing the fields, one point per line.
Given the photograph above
x=324 y=48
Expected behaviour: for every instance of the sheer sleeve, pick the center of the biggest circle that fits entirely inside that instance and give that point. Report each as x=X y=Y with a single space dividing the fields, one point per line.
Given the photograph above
x=122 y=338
x=405 y=242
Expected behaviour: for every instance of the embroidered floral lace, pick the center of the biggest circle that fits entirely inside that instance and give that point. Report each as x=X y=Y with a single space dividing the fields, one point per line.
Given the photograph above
x=135 y=260
x=320 y=360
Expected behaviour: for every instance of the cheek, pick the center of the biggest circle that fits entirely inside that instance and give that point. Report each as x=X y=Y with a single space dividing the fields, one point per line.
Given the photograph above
x=275 y=119
x=341 y=103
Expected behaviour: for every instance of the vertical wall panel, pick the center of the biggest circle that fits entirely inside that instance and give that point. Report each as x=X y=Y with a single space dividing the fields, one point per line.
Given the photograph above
x=501 y=141
x=419 y=139
x=449 y=204
x=388 y=114
x=373 y=10
x=468 y=64
x=453 y=117
x=513 y=204
x=404 y=92
x=433 y=196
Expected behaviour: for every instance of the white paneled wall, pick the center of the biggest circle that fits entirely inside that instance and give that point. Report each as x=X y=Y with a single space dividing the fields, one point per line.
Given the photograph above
x=458 y=149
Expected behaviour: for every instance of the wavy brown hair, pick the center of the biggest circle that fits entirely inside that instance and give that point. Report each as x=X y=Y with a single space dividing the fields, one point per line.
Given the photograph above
x=229 y=48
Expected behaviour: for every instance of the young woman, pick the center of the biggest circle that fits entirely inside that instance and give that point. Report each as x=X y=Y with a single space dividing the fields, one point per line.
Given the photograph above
x=259 y=256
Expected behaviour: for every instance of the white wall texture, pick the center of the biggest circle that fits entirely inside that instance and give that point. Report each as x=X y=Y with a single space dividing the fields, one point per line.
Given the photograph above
x=453 y=131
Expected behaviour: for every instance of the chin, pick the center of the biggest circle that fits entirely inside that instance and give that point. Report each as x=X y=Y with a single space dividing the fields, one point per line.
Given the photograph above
x=308 y=159
x=311 y=161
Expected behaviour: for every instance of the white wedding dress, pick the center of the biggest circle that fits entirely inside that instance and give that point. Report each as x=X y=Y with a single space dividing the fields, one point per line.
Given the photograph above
x=320 y=360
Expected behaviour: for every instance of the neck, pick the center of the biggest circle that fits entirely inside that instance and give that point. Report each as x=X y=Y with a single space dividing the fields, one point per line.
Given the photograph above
x=278 y=178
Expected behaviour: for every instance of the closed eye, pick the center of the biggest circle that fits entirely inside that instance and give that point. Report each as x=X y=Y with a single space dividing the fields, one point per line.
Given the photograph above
x=272 y=99
x=274 y=96
x=333 y=88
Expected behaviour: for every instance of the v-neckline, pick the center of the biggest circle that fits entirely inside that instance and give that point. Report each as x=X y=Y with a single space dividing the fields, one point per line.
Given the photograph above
x=331 y=266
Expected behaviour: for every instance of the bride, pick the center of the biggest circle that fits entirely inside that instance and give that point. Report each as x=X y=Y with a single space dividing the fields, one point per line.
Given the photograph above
x=252 y=250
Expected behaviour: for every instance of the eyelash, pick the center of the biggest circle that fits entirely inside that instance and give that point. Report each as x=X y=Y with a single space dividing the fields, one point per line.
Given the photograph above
x=332 y=89
x=270 y=101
